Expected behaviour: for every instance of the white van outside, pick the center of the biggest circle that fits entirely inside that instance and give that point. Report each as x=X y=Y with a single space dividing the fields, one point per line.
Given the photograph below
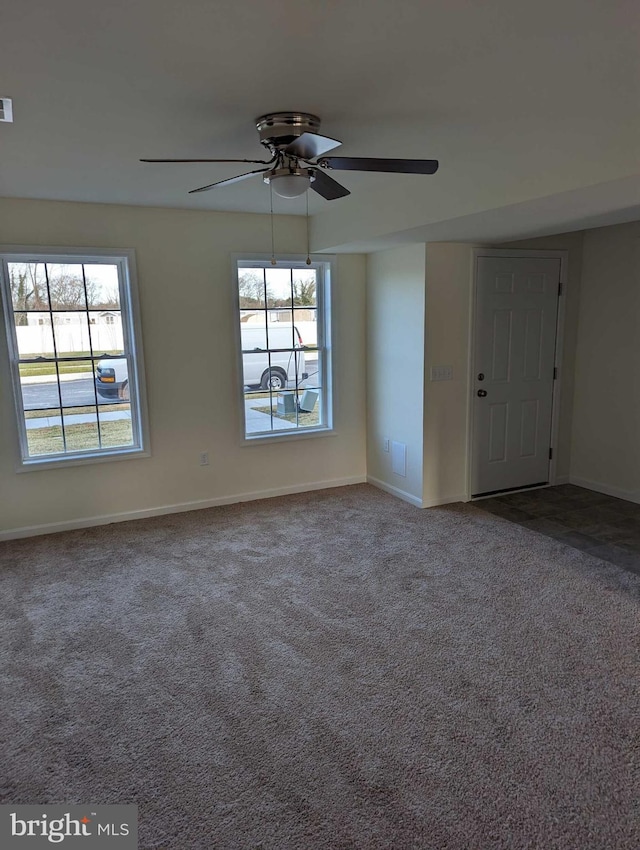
x=281 y=341
x=112 y=379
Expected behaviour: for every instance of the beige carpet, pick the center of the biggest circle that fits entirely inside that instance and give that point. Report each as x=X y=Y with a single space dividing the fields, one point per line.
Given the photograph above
x=333 y=670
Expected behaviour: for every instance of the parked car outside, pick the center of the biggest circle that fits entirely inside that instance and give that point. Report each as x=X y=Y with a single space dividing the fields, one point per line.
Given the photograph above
x=285 y=349
x=282 y=343
x=112 y=378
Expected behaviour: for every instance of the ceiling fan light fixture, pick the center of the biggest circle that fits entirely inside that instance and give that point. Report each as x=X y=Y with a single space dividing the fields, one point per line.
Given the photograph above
x=290 y=182
x=291 y=185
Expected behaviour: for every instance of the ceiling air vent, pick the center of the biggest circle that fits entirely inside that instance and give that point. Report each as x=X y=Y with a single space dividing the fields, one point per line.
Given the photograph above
x=6 y=109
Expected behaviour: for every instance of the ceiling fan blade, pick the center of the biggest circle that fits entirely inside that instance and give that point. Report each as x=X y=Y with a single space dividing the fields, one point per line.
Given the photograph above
x=396 y=166
x=326 y=186
x=310 y=145
x=251 y=161
x=229 y=180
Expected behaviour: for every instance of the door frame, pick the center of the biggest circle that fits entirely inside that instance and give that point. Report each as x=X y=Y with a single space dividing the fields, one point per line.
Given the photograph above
x=506 y=253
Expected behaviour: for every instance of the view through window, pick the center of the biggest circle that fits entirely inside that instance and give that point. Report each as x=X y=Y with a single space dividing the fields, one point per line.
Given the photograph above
x=71 y=345
x=284 y=339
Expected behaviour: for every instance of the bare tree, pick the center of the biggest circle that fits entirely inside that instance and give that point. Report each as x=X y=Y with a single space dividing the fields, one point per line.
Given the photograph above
x=28 y=289
x=102 y=296
x=304 y=293
x=67 y=292
x=251 y=289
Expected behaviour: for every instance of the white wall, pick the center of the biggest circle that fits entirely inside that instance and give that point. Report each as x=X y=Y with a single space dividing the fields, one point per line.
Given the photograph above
x=395 y=365
x=435 y=281
x=606 y=411
x=184 y=271
x=448 y=299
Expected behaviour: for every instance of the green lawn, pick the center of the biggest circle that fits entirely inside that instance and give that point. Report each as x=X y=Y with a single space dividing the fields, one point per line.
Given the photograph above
x=304 y=419
x=29 y=370
x=81 y=437
x=42 y=413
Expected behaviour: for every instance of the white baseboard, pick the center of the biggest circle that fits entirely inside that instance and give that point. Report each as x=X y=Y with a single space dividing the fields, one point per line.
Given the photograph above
x=629 y=495
x=182 y=507
x=561 y=479
x=395 y=491
x=414 y=500
x=445 y=500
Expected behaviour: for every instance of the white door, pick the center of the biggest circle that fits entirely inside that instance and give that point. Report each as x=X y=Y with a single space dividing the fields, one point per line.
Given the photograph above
x=515 y=337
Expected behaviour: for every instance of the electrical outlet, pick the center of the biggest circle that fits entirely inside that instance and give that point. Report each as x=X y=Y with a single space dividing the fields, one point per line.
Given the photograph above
x=204 y=458
x=385 y=444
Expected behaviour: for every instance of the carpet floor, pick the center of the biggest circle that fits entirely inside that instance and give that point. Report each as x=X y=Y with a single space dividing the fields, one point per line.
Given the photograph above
x=333 y=670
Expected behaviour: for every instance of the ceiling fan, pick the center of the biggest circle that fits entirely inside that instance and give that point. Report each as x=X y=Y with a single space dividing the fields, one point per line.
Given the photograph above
x=297 y=159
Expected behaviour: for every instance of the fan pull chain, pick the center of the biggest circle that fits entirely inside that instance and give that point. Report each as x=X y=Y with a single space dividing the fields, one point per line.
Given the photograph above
x=306 y=195
x=273 y=250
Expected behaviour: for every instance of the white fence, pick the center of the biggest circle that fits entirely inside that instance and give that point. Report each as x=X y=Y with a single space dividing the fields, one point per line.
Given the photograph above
x=37 y=339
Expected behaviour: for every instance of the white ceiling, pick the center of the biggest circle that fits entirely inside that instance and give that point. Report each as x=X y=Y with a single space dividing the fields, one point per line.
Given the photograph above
x=519 y=101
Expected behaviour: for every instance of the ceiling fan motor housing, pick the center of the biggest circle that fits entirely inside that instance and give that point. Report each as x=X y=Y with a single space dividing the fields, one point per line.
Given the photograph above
x=279 y=129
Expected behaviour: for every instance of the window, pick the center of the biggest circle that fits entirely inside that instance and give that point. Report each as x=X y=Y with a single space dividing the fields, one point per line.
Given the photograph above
x=284 y=347
x=77 y=380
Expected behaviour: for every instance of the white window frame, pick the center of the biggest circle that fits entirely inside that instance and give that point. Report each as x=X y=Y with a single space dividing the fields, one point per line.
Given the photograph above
x=124 y=259
x=326 y=269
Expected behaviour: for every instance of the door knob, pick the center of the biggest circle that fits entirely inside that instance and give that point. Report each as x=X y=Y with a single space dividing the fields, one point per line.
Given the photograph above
x=482 y=393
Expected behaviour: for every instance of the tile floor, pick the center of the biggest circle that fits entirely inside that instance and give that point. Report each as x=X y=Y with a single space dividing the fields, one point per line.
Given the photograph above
x=606 y=527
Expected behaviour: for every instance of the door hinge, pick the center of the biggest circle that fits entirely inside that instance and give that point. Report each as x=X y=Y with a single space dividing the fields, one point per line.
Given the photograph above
x=555 y=373
x=550 y=454
x=559 y=288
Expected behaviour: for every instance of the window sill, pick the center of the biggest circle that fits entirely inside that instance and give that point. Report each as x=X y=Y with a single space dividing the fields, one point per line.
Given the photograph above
x=38 y=464
x=285 y=436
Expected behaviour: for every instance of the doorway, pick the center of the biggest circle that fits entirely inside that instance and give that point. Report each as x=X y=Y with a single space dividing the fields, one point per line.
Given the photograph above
x=514 y=368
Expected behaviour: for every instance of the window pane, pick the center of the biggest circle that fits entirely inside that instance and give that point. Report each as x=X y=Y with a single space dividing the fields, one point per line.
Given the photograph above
x=278 y=287
x=112 y=379
x=313 y=368
x=44 y=432
x=298 y=369
x=39 y=386
x=76 y=383
x=80 y=430
x=103 y=291
x=115 y=425
x=66 y=286
x=280 y=332
x=28 y=285
x=34 y=334
x=304 y=287
x=105 y=327
x=309 y=408
x=255 y=370
x=257 y=408
x=71 y=331
x=251 y=288
x=307 y=327
x=253 y=330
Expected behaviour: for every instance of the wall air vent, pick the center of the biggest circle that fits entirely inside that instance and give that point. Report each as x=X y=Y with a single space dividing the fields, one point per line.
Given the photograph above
x=6 y=109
